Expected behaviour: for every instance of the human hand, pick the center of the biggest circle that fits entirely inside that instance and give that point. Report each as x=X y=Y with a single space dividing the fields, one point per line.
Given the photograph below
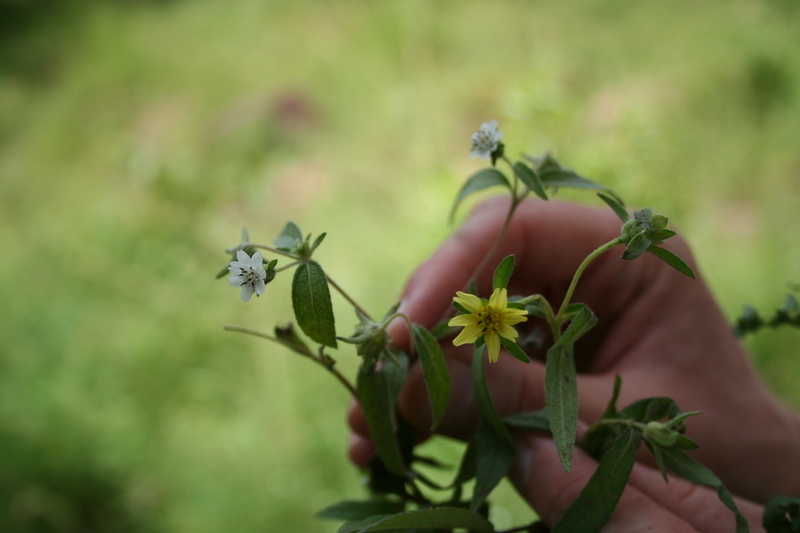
x=662 y=332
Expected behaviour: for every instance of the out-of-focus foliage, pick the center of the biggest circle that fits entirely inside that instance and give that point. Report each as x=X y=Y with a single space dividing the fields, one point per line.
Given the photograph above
x=137 y=138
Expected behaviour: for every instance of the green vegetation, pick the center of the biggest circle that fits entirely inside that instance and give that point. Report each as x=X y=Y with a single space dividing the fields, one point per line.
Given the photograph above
x=136 y=139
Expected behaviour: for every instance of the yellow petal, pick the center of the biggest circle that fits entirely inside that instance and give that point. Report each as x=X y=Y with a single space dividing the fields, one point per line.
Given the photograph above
x=513 y=316
x=492 y=346
x=499 y=299
x=463 y=320
x=507 y=331
x=468 y=335
x=470 y=302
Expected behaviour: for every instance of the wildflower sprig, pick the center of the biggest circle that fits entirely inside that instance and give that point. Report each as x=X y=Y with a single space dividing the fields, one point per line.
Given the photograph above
x=401 y=494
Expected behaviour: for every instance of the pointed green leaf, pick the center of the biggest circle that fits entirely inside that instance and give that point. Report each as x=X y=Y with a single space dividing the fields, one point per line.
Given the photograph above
x=617 y=207
x=530 y=421
x=684 y=466
x=672 y=260
x=318 y=241
x=659 y=236
x=290 y=237
x=311 y=301
x=358 y=510
x=600 y=496
x=560 y=177
x=486 y=409
x=611 y=408
x=494 y=455
x=483 y=179
x=584 y=321
x=636 y=247
x=502 y=273
x=561 y=385
x=434 y=518
x=377 y=392
x=513 y=349
x=561 y=396
x=527 y=176
x=437 y=379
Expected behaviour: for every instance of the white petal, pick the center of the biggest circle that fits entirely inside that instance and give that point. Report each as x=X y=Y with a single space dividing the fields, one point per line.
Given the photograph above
x=247 y=292
x=243 y=258
x=260 y=286
x=236 y=281
x=256 y=260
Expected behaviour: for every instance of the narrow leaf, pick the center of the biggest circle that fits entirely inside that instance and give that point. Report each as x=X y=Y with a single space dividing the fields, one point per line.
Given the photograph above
x=377 y=398
x=486 y=410
x=318 y=241
x=437 y=379
x=560 y=177
x=436 y=518
x=561 y=385
x=494 y=456
x=483 y=179
x=580 y=325
x=311 y=301
x=530 y=421
x=611 y=408
x=530 y=179
x=355 y=510
x=561 y=395
x=289 y=237
x=502 y=273
x=660 y=235
x=617 y=207
x=684 y=466
x=601 y=494
x=672 y=260
x=514 y=349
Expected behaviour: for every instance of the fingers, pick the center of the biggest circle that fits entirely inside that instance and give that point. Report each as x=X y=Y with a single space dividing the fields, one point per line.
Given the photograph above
x=644 y=506
x=549 y=240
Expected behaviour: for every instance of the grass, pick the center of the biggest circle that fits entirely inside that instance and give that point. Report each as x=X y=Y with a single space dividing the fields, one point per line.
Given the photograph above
x=137 y=139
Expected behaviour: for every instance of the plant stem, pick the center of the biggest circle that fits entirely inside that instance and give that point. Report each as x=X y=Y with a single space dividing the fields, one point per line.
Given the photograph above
x=577 y=276
x=272 y=250
x=314 y=357
x=347 y=297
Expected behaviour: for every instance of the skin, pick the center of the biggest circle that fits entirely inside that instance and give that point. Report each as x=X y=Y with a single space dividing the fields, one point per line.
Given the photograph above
x=662 y=332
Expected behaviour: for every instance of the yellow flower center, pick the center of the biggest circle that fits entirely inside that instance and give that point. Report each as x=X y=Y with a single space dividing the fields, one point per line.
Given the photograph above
x=489 y=318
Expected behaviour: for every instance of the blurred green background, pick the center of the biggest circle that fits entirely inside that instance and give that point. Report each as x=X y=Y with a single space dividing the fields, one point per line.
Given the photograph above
x=137 y=138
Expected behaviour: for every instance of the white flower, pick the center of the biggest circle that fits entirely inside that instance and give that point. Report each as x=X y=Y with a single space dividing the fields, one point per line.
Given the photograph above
x=484 y=141
x=248 y=273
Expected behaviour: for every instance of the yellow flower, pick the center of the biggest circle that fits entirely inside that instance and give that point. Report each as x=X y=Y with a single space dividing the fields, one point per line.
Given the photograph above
x=490 y=320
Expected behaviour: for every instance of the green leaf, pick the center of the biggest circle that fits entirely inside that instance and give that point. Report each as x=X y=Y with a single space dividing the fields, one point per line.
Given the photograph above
x=437 y=379
x=636 y=247
x=436 y=518
x=513 y=348
x=289 y=238
x=289 y=336
x=684 y=466
x=649 y=409
x=561 y=396
x=494 y=455
x=782 y=515
x=358 y=510
x=530 y=421
x=311 y=301
x=601 y=494
x=617 y=207
x=561 y=385
x=377 y=392
x=672 y=260
x=483 y=179
x=318 y=241
x=486 y=410
x=659 y=236
x=560 y=177
x=584 y=321
x=502 y=273
x=527 y=176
